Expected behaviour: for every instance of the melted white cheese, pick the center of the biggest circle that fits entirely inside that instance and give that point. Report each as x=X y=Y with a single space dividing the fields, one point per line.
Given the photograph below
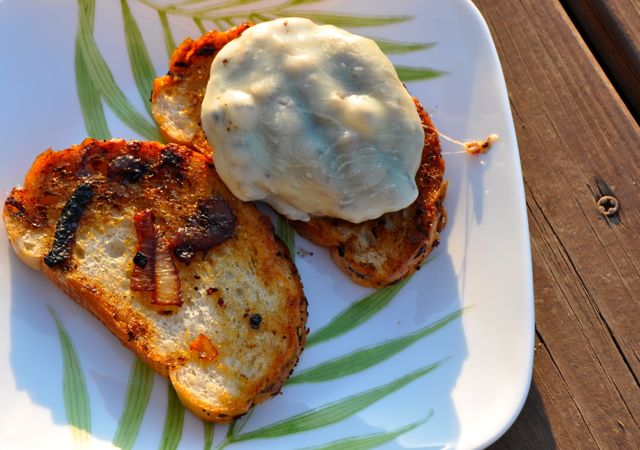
x=314 y=121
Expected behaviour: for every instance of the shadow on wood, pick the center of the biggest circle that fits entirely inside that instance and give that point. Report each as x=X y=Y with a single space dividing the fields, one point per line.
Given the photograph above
x=532 y=428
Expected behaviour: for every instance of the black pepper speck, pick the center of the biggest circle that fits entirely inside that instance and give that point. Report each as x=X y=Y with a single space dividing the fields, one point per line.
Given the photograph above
x=255 y=320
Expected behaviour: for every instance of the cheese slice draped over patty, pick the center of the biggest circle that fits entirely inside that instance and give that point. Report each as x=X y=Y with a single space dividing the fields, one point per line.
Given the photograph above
x=314 y=121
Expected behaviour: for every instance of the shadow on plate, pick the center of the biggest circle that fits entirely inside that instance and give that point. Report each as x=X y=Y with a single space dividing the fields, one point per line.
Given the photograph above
x=36 y=356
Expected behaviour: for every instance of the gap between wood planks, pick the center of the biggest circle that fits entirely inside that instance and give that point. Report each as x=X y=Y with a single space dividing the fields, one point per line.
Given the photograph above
x=586 y=338
x=545 y=359
x=610 y=29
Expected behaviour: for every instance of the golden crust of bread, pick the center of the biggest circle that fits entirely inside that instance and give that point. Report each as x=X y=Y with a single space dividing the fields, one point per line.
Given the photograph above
x=375 y=253
x=177 y=96
x=222 y=289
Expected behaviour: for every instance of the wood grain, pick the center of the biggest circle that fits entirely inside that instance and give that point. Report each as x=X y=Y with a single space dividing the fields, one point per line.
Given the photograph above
x=573 y=129
x=612 y=28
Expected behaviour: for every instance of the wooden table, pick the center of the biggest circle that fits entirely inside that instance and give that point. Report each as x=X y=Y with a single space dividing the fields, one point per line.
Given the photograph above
x=572 y=68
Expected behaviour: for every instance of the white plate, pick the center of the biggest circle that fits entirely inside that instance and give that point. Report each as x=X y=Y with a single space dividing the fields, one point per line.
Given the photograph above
x=482 y=263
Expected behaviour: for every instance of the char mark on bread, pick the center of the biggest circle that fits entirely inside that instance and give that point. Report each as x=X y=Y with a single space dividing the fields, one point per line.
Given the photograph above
x=195 y=323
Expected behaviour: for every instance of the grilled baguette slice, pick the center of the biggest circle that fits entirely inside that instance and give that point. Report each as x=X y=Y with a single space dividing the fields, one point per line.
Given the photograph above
x=241 y=326
x=374 y=253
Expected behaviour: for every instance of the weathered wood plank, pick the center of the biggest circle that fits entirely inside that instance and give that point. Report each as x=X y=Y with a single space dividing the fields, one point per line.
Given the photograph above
x=612 y=27
x=533 y=429
x=573 y=128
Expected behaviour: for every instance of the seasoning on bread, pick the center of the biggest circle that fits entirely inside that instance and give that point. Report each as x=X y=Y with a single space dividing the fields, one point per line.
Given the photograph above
x=111 y=222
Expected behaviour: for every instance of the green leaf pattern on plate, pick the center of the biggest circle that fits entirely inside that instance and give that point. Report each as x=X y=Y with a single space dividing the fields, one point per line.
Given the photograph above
x=137 y=399
x=88 y=95
x=371 y=440
x=408 y=74
x=364 y=358
x=172 y=430
x=95 y=84
x=169 y=41
x=345 y=20
x=101 y=75
x=74 y=387
x=284 y=230
x=208 y=435
x=356 y=314
x=334 y=412
x=395 y=47
x=141 y=66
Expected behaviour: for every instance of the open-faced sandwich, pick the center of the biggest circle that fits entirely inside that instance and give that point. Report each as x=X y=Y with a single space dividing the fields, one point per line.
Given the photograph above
x=313 y=120
x=161 y=242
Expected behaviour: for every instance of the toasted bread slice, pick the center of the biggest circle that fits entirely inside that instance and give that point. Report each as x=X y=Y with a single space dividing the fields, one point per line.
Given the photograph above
x=238 y=328
x=374 y=253
x=383 y=251
x=177 y=96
